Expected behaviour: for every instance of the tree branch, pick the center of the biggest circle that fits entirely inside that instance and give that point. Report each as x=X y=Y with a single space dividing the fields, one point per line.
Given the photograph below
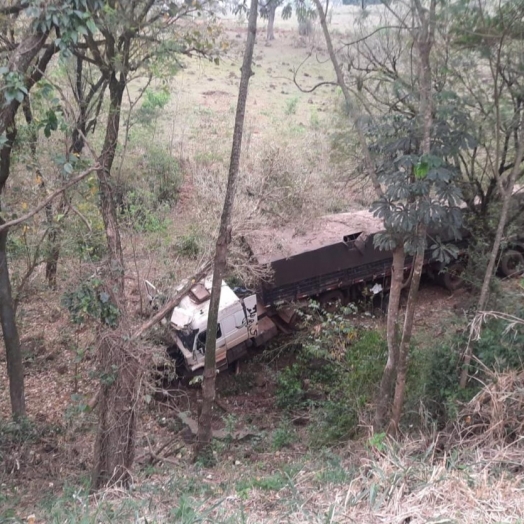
x=23 y=218
x=168 y=306
x=314 y=87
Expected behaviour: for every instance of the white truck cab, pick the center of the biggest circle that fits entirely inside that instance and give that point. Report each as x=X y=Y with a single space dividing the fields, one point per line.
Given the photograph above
x=237 y=325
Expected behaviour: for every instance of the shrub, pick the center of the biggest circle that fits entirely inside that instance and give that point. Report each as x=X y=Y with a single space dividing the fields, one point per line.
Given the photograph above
x=190 y=244
x=89 y=245
x=283 y=436
x=90 y=300
x=163 y=175
x=143 y=213
x=153 y=103
x=290 y=394
x=335 y=376
x=434 y=373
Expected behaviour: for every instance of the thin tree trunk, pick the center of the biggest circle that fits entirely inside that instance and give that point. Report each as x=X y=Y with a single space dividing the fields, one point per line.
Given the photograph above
x=203 y=444
x=402 y=365
x=19 y=62
x=351 y=109
x=423 y=43
x=54 y=242
x=15 y=366
x=107 y=201
x=388 y=378
x=271 y=21
x=490 y=270
x=387 y=382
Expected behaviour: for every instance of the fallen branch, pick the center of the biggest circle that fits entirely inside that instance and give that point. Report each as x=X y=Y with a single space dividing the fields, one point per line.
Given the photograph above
x=173 y=302
x=156 y=457
x=48 y=200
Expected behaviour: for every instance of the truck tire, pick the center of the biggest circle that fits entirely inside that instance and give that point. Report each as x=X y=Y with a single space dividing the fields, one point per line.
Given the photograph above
x=331 y=301
x=511 y=263
x=451 y=277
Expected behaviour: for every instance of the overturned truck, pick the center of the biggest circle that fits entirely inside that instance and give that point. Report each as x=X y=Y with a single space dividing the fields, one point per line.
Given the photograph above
x=333 y=262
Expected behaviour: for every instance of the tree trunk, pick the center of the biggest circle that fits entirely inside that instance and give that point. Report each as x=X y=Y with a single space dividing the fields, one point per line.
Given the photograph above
x=107 y=201
x=424 y=39
x=272 y=9
x=403 y=353
x=389 y=375
x=492 y=262
x=120 y=370
x=351 y=109
x=19 y=61
x=203 y=444
x=15 y=366
x=54 y=242
x=115 y=442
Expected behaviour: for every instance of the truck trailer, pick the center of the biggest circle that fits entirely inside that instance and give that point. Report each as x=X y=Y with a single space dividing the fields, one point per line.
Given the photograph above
x=333 y=262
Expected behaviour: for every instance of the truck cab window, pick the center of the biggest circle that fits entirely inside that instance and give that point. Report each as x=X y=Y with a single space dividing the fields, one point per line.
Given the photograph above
x=201 y=339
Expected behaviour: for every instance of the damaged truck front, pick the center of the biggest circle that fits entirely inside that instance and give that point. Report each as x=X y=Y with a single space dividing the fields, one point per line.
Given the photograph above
x=239 y=326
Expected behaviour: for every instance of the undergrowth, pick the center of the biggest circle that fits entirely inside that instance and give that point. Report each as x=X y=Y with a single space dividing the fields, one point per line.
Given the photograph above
x=334 y=377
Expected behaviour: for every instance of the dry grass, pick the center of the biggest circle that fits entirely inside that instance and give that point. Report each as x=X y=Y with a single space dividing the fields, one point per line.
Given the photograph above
x=494 y=417
x=399 y=484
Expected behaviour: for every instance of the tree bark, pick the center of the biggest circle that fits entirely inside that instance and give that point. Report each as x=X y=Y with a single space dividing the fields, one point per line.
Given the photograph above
x=203 y=443
x=390 y=371
x=120 y=371
x=403 y=352
x=389 y=375
x=272 y=9
x=115 y=441
x=19 y=61
x=107 y=201
x=15 y=366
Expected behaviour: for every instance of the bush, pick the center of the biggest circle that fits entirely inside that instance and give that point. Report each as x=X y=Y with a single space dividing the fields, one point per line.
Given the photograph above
x=335 y=377
x=434 y=373
x=290 y=394
x=189 y=245
x=154 y=102
x=89 y=245
x=90 y=300
x=143 y=213
x=283 y=436
x=163 y=175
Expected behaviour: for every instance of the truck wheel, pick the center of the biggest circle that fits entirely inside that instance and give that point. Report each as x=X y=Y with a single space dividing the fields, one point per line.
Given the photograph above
x=331 y=301
x=511 y=263
x=451 y=278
